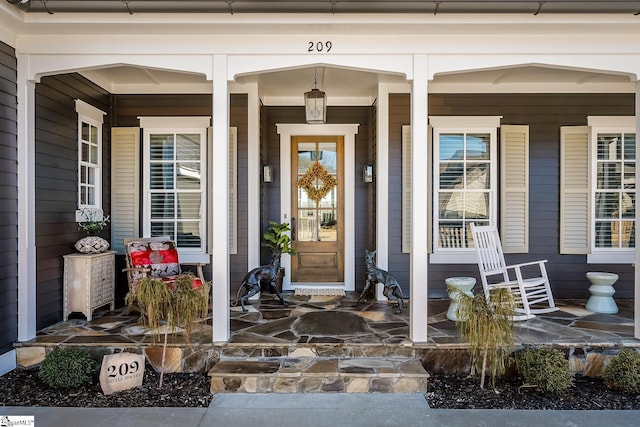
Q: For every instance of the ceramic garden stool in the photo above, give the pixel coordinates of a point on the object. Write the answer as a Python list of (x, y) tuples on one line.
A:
[(455, 285), (601, 299)]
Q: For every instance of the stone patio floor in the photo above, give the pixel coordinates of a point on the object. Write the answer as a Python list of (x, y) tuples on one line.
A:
[(335, 320)]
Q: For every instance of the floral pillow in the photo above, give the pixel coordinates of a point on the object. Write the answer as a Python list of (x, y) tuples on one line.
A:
[(160, 257)]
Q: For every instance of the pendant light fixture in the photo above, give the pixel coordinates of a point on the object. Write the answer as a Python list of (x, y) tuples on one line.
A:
[(315, 103)]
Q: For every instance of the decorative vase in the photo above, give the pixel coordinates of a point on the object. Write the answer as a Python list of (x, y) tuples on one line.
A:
[(92, 245)]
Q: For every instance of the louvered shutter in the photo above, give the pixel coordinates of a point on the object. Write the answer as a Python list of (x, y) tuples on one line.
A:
[(574, 190), (125, 185), (233, 190), (514, 185), (209, 211), (406, 189)]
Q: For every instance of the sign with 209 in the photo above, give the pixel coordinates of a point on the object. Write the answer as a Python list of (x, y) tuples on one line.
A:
[(121, 371)]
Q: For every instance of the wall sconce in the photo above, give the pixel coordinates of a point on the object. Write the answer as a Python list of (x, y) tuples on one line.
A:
[(267, 173), (315, 104), (367, 173)]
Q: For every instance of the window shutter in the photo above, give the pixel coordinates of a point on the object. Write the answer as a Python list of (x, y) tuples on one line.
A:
[(233, 190), (406, 189), (209, 211), (429, 164), (574, 190), (125, 185), (514, 176)]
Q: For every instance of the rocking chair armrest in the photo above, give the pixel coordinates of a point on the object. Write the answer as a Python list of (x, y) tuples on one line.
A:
[(525, 264), (142, 270)]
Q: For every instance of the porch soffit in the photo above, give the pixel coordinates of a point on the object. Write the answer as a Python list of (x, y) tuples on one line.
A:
[(358, 87), (328, 6)]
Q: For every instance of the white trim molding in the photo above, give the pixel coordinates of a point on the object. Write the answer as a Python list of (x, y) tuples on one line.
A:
[(349, 131)]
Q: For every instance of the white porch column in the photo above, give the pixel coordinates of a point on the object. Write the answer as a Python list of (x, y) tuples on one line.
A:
[(219, 201), (26, 204), (254, 169), (636, 287), (419, 206), (382, 184)]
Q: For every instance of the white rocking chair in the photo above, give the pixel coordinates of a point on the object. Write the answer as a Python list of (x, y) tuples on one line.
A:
[(533, 294)]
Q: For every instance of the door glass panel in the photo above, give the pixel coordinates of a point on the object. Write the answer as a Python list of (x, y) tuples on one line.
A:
[(306, 156), (303, 199), (317, 192), (330, 200), (328, 226), (327, 156), (307, 225)]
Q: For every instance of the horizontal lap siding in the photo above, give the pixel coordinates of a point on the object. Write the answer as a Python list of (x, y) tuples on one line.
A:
[(399, 115), (8, 199), (239, 118), (545, 114), (56, 182)]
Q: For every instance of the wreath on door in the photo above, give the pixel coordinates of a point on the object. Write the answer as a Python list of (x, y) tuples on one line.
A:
[(307, 181)]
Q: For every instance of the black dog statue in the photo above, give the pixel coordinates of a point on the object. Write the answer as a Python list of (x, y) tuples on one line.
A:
[(252, 280), (377, 275)]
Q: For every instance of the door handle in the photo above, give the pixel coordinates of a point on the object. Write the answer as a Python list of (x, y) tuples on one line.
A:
[(293, 229)]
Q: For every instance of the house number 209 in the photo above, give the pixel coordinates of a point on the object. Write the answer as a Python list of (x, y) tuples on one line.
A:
[(320, 46), (123, 370)]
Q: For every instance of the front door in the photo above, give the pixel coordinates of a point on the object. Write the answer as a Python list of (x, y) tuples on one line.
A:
[(317, 192)]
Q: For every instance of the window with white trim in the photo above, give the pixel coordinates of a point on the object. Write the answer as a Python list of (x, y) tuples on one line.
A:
[(613, 187), (598, 194), (90, 121), (465, 180), (174, 180)]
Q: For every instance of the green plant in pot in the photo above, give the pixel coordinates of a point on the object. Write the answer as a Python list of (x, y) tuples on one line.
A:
[(277, 239)]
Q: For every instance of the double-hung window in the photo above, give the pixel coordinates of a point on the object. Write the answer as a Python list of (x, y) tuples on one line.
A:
[(613, 186), (174, 182), (465, 183), (598, 199), (90, 120)]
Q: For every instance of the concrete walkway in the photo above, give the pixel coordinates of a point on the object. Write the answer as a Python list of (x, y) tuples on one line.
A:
[(317, 410)]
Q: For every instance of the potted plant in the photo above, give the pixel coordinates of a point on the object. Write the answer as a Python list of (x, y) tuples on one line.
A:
[(277, 239), (92, 222)]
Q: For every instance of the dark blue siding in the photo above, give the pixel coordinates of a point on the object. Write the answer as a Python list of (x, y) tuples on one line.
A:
[(8, 199)]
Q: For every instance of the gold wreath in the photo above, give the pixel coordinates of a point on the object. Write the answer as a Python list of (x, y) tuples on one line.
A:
[(306, 182)]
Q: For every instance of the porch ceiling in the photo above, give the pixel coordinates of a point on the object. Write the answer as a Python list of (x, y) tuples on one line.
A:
[(328, 6), (358, 87)]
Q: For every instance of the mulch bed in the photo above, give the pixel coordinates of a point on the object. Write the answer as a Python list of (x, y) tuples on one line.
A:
[(23, 387), (452, 392)]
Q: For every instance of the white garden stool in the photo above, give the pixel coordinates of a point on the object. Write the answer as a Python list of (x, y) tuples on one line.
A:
[(601, 299), (455, 286)]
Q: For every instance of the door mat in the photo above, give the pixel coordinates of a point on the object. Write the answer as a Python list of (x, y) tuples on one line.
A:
[(319, 292)]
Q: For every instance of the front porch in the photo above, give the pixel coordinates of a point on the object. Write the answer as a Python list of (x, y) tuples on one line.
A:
[(331, 328)]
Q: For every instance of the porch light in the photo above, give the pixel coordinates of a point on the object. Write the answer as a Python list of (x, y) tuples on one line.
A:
[(267, 173), (367, 173), (315, 104)]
